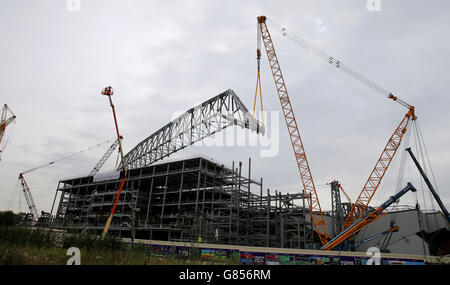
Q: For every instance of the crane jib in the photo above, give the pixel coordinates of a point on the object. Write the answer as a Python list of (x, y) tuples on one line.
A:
[(294, 134)]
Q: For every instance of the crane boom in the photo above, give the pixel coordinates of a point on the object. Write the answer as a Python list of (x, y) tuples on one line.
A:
[(28, 197), (391, 148), (104, 158), (297, 144), (366, 219), (378, 172)]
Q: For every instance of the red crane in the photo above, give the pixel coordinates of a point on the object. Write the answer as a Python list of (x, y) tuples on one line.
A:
[(4, 122)]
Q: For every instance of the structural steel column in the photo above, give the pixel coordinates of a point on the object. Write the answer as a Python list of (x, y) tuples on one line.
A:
[(198, 184), (204, 186), (150, 198), (54, 199), (164, 196), (181, 187)]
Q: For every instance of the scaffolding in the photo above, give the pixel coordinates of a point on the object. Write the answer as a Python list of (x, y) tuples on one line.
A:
[(190, 200)]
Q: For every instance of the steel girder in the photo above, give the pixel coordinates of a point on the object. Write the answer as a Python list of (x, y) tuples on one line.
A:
[(204, 120)]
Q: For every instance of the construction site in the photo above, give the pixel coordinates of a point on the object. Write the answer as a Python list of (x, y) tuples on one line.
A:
[(195, 199)]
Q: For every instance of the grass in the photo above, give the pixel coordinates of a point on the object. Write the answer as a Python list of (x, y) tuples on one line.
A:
[(32, 255), (23, 246)]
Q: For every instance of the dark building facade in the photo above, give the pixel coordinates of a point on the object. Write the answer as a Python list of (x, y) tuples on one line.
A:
[(193, 199)]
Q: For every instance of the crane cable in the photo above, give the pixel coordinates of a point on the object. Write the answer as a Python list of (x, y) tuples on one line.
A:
[(424, 154), (334, 62), (258, 76), (13, 195), (66, 157)]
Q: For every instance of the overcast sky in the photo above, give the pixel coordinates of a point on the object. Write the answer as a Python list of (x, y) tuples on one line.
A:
[(163, 57)]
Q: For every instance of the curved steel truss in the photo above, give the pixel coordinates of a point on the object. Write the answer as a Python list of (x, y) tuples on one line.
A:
[(206, 119)]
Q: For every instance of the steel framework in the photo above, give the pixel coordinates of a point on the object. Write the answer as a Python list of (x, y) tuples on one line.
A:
[(206, 119), (336, 207), (184, 200)]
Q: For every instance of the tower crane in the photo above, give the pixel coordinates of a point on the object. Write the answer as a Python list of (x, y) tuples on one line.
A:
[(4, 122)]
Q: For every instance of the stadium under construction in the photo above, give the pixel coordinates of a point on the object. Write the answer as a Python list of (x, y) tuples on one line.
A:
[(196, 199), (152, 196)]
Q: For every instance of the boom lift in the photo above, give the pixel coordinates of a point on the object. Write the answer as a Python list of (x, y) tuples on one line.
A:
[(4, 122), (108, 91)]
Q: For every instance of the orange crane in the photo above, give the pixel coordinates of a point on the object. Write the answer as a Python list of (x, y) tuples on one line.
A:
[(359, 207), (292, 126), (366, 219), (4, 122)]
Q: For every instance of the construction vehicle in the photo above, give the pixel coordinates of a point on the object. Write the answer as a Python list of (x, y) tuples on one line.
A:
[(338, 241), (108, 91), (430, 186), (292, 127), (358, 209), (4, 122)]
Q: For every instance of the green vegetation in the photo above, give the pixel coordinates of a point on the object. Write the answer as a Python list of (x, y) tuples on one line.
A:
[(26, 246), (8, 219)]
